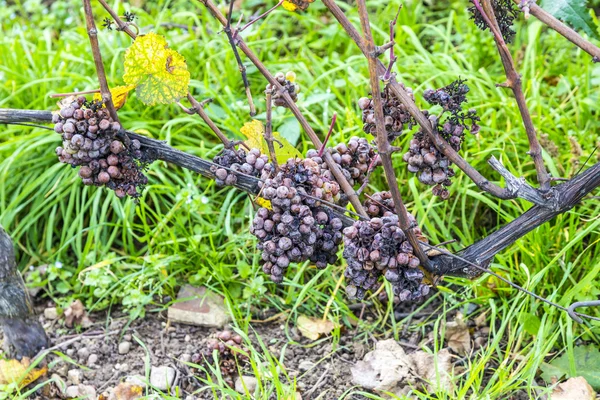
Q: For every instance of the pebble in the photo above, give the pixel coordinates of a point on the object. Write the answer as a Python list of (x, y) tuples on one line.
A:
[(62, 370), (136, 380), (83, 353), (187, 338), (249, 382), (127, 338), (51, 313), (124, 347), (80, 392), (305, 365), (185, 357), (92, 360), (162, 377), (70, 352), (75, 376)]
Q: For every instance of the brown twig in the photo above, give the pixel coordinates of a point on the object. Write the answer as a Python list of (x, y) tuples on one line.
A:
[(401, 93), (333, 167), (563, 30), (269, 130), (241, 67), (93, 35), (383, 145), (513, 81)]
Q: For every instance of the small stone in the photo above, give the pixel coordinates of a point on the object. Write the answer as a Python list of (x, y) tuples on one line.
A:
[(75, 376), (201, 307), (305, 365), (185, 358), (124, 347), (162, 377), (70, 352), (249, 382), (83, 353), (137, 380), (127, 338), (81, 392), (92, 360), (51, 313), (187, 338)]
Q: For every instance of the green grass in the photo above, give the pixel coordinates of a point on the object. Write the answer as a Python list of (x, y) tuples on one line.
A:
[(185, 229)]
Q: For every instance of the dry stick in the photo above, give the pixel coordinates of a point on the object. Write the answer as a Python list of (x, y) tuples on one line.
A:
[(383, 145), (197, 106), (513, 81), (269, 130), (333, 167), (564, 30), (421, 119), (241, 66), (93, 35)]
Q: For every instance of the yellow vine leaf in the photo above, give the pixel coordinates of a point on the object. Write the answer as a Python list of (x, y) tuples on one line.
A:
[(160, 74), (255, 130), (119, 95), (263, 202), (14, 371)]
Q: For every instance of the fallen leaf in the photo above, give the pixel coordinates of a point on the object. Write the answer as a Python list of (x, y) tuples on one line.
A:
[(75, 314), (127, 391), (14, 371), (119, 95), (263, 202), (574, 388), (255, 130), (458, 336), (313, 328), (434, 368), (159, 73), (587, 365)]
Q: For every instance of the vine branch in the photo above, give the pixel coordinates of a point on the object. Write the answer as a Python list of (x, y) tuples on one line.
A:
[(513, 81), (383, 145), (93, 35)]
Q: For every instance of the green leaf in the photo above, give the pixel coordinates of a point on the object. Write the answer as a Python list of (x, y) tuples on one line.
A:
[(530, 322), (574, 12), (160, 74), (290, 129), (587, 364)]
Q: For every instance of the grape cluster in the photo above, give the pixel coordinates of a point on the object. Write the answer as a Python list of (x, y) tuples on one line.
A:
[(251, 163), (297, 227), (230, 351), (354, 158), (433, 167), (379, 247), (396, 114), (506, 12), (95, 143), (288, 81), (379, 204)]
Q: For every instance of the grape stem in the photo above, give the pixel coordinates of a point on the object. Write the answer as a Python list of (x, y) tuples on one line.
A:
[(198, 107), (333, 167), (383, 145), (93, 35), (263, 15), (231, 37), (513, 81), (324, 145), (269, 130)]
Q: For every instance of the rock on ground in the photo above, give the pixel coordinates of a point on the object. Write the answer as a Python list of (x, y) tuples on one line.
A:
[(199, 306), (162, 377), (249, 382)]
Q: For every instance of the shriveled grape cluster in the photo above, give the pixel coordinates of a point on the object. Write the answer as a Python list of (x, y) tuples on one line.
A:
[(288, 81), (297, 227), (95, 143), (397, 117), (379, 247), (505, 11), (433, 167), (354, 158), (231, 354), (251, 163)]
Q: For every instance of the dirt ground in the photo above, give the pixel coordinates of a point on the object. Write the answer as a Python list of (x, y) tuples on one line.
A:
[(127, 354)]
